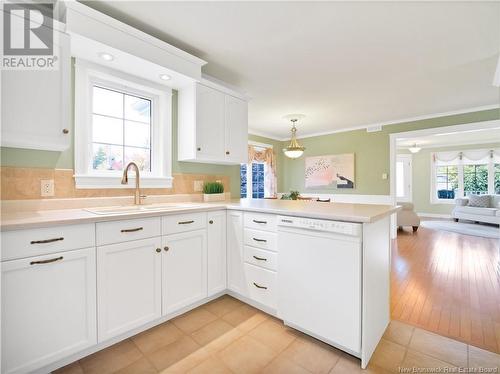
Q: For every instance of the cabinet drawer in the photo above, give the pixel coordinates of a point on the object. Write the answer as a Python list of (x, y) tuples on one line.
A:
[(261, 285), (260, 221), (35, 242), (261, 257), (183, 222), (260, 239), (126, 230)]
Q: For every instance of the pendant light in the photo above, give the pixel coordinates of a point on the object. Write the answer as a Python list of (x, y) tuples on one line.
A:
[(294, 149), (414, 149)]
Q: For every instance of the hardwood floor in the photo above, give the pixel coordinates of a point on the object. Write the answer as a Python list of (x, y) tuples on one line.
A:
[(449, 284)]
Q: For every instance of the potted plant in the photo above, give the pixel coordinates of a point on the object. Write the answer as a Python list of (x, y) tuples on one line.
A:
[(213, 191), (293, 195)]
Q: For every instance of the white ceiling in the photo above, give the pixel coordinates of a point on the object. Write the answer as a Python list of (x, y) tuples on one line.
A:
[(343, 64)]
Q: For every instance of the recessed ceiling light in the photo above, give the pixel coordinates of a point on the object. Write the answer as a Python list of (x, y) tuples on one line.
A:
[(106, 56), (165, 77)]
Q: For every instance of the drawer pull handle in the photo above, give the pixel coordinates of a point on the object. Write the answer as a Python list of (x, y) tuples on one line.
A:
[(260, 258), (260, 240), (132, 230), (185, 222), (261, 222), (46, 241), (46, 261), (258, 286)]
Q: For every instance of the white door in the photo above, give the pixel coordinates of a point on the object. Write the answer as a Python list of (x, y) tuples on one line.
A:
[(209, 123), (48, 308), (216, 252), (235, 270), (184, 269), (128, 285), (236, 130), (404, 178)]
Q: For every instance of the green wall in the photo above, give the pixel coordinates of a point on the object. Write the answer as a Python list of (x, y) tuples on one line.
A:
[(371, 153), (421, 177)]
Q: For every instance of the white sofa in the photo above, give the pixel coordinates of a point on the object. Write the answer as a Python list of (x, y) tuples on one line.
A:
[(491, 214)]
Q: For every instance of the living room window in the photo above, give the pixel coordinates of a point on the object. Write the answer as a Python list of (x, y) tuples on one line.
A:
[(464, 173)]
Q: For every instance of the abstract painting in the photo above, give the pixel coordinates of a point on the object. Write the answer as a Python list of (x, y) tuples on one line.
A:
[(330, 171)]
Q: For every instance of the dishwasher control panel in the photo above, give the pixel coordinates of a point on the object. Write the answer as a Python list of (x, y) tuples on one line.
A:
[(345, 228)]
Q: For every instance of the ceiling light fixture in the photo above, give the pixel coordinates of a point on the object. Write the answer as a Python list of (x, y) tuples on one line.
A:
[(294, 149), (414, 149), (165, 77), (106, 56)]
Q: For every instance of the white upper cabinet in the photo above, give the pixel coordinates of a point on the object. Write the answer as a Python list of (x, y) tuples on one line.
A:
[(36, 104), (213, 125)]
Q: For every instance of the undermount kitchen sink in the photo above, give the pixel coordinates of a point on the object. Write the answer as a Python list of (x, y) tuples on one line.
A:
[(125, 209)]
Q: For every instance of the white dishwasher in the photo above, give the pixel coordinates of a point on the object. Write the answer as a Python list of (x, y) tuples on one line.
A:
[(319, 279)]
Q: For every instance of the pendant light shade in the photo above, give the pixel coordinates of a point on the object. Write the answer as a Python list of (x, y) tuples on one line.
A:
[(294, 149)]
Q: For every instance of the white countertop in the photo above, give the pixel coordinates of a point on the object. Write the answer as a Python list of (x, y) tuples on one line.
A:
[(361, 213)]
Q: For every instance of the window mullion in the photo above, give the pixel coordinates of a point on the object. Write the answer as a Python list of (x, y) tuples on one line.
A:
[(491, 177), (461, 180)]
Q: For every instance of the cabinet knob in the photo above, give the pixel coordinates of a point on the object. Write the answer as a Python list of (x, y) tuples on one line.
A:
[(166, 249), (211, 222), (198, 149), (158, 250), (227, 152), (65, 131)]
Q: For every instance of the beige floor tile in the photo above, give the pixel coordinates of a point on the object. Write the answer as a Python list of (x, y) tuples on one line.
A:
[(194, 320), (223, 341), (112, 358), (273, 334), (240, 315), (388, 355), (74, 368), (480, 358), (439, 347), (348, 364), (398, 332), (222, 305), (252, 322), (419, 360), (212, 331), (188, 362), (246, 355), (173, 353), (283, 365), (313, 355), (157, 337), (213, 365), (141, 366)]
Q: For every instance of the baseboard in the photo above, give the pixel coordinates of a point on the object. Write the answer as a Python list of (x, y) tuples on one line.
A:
[(433, 215)]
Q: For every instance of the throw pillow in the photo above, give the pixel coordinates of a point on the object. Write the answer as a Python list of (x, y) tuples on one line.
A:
[(480, 201)]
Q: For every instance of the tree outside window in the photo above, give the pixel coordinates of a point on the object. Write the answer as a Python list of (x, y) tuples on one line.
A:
[(475, 180), (497, 179)]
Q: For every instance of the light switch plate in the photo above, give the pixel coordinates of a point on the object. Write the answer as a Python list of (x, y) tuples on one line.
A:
[(47, 187), (198, 186), (384, 176)]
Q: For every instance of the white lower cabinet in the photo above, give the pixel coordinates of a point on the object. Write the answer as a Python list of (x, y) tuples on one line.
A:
[(129, 280), (235, 271), (216, 243), (48, 308), (184, 275)]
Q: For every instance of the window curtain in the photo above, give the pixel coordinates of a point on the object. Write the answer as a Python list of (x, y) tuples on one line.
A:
[(268, 157), (472, 156)]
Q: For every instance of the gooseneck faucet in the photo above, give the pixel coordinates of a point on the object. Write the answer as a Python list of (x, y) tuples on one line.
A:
[(137, 196)]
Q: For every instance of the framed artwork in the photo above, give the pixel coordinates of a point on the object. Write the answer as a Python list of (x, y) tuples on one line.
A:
[(330, 171)]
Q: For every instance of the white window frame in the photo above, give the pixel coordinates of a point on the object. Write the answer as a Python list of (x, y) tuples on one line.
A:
[(408, 169), (460, 165), (86, 76), (249, 170)]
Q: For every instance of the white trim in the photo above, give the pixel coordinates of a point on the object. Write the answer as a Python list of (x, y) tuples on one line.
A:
[(445, 145), (86, 75), (496, 79), (407, 158), (381, 123), (433, 215), (258, 144)]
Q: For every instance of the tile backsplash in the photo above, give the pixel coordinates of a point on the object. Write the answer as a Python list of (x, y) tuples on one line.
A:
[(24, 183)]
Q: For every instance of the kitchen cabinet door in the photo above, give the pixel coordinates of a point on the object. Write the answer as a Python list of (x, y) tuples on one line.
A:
[(216, 252), (235, 271), (184, 276), (209, 123), (128, 285), (236, 129), (48, 308)]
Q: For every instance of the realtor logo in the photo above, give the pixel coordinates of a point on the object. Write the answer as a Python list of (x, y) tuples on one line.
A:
[(28, 36)]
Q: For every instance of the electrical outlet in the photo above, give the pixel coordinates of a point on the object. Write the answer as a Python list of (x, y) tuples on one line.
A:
[(198, 186), (47, 187)]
